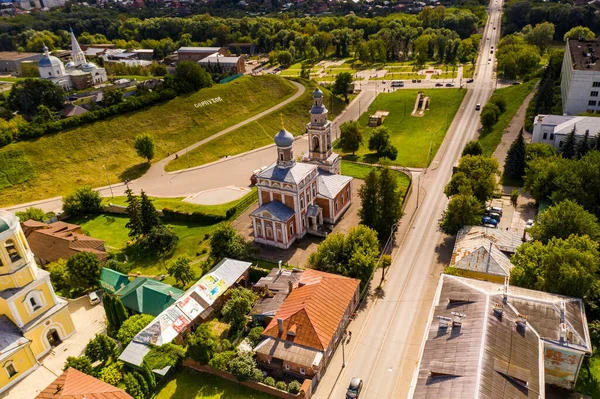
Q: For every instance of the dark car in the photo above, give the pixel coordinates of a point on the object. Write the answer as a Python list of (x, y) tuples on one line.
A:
[(72, 98), (354, 388), (418, 80), (489, 220), (414, 80), (470, 80), (438, 85), (449, 84)]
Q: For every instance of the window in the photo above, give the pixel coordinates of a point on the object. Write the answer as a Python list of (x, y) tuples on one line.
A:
[(49, 73), (336, 206), (302, 371), (545, 136), (592, 103), (287, 367), (551, 136), (301, 202), (560, 143), (594, 94), (308, 195), (314, 191), (34, 301), (13, 254), (596, 84), (342, 198), (281, 156), (291, 229), (10, 369)]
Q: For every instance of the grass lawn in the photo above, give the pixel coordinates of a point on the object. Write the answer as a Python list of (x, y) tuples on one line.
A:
[(260, 132), (411, 135), (76, 157), (177, 204), (190, 384), (468, 71), (360, 171), (514, 97)]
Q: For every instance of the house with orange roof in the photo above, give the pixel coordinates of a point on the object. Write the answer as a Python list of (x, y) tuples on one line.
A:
[(73, 384), (301, 339), (60, 240)]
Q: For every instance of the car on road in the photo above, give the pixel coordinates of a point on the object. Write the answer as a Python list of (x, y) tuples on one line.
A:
[(72, 98), (492, 47), (491, 51), (354, 388), (439, 85), (489, 59), (418, 80), (449, 84), (414, 80), (488, 220), (397, 83), (470, 80), (494, 28), (477, 107), (384, 81)]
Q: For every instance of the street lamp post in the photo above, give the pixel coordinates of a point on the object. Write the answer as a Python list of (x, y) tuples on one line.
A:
[(343, 350), (112, 195)]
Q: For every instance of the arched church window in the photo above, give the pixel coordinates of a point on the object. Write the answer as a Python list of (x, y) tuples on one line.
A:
[(13, 254), (49, 73), (315, 143), (281, 156)]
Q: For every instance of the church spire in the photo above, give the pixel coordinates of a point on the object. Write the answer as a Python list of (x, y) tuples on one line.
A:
[(77, 54)]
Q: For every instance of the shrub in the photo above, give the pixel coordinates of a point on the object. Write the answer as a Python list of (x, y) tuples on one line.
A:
[(83, 201), (81, 363), (270, 381), (281, 385), (294, 387), (111, 374), (221, 360), (255, 335), (165, 355), (132, 326), (243, 367), (36, 214), (161, 240)]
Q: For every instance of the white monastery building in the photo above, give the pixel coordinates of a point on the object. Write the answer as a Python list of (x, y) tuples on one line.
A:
[(296, 198), (554, 129)]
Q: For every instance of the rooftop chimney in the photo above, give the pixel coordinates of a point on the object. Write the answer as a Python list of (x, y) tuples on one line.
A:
[(457, 319), (290, 286), (280, 270), (280, 324), (521, 322), (563, 332), (444, 321), (505, 294), (498, 310)]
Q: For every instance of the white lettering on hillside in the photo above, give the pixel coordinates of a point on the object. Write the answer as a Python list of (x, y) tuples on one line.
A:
[(208, 102)]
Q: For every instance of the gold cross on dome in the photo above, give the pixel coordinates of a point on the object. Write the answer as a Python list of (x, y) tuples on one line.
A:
[(281, 117)]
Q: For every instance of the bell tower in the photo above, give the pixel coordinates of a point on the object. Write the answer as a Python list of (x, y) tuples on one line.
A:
[(319, 137)]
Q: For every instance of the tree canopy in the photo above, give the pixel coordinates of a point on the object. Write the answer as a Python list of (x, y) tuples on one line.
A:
[(351, 136), (563, 219), (477, 174), (132, 326), (227, 242)]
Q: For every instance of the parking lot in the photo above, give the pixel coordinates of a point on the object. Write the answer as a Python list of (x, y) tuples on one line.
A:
[(514, 218)]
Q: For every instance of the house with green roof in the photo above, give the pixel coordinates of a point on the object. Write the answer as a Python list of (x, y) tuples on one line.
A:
[(148, 296), (112, 281)]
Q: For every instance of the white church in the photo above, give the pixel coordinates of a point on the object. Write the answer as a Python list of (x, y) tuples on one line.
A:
[(77, 74)]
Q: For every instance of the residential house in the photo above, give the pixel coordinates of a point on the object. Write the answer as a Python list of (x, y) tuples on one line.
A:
[(554, 129), (273, 289), (148, 296), (73, 384), (195, 306), (580, 77), (60, 240), (512, 342), (218, 63), (484, 253), (296, 198), (10, 61), (111, 280), (302, 337), (195, 54), (33, 320)]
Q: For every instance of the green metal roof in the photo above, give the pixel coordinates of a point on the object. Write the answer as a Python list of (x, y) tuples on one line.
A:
[(145, 295), (112, 281)]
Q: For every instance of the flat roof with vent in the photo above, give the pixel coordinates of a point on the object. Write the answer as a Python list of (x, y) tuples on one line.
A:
[(585, 54)]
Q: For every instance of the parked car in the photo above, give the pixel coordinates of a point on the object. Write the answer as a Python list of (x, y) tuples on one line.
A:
[(477, 107), (516, 83), (72, 97), (495, 209), (470, 80), (354, 388), (495, 216), (488, 220), (94, 298), (414, 80), (529, 224), (489, 225), (491, 51), (439, 85), (449, 84), (418, 80)]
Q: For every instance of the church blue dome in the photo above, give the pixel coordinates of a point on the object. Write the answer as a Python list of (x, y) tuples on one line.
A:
[(284, 138), (317, 93), (49, 61), (7, 221), (318, 109)]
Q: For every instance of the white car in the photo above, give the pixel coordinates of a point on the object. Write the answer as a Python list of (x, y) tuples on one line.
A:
[(529, 224), (94, 298)]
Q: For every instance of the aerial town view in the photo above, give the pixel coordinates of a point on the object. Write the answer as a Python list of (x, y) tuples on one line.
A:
[(295, 199)]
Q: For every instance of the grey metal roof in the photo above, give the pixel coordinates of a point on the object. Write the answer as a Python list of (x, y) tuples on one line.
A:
[(504, 240), (565, 124), (293, 175), (312, 210), (134, 353), (330, 185), (10, 335), (198, 49), (277, 283), (278, 211)]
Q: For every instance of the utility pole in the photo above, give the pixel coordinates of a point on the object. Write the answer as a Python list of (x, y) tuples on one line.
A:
[(112, 195), (343, 350)]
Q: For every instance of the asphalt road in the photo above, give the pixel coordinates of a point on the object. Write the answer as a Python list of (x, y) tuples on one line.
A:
[(386, 348)]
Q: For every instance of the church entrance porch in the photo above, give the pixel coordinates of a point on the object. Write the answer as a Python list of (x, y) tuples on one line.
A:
[(314, 216)]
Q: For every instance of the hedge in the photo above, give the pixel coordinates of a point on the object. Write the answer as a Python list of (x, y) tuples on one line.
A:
[(171, 215)]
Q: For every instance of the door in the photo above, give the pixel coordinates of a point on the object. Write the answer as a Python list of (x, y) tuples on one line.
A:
[(53, 338)]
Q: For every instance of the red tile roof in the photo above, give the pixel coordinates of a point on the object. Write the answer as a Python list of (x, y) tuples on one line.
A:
[(73, 384), (60, 240), (314, 310)]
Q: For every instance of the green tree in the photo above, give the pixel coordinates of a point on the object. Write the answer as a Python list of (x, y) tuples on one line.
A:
[(255, 335), (221, 360), (182, 270), (83, 201), (579, 32), (134, 224), (352, 255), (161, 241), (294, 387), (541, 175), (463, 210), (489, 116), (111, 318), (281, 385), (514, 165), (120, 312), (538, 150), (564, 219), (285, 58), (32, 213), (569, 147), (583, 145), (83, 269), (132, 386), (159, 70), (514, 197), (149, 217), (370, 212), (472, 148), (81, 363), (142, 383), (477, 174), (101, 348), (499, 102), (380, 141), (342, 85), (351, 136), (148, 375), (541, 35), (144, 145), (27, 95), (132, 326), (202, 344), (165, 355), (191, 77), (112, 97), (112, 374), (243, 367), (390, 203), (43, 114), (270, 381), (226, 242), (562, 266), (238, 306)]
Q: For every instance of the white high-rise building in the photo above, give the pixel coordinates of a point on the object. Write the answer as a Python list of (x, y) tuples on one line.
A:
[(580, 77)]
